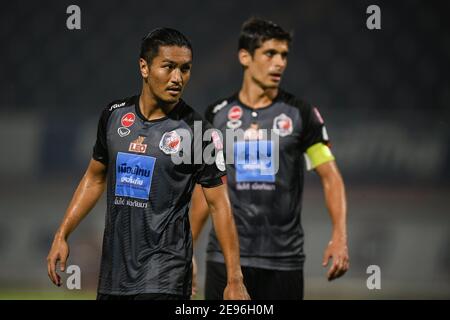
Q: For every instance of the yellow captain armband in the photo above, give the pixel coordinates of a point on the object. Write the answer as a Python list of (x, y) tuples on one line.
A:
[(317, 154)]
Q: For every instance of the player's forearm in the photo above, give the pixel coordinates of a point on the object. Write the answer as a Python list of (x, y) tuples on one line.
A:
[(85, 197), (335, 198), (227, 235), (198, 215)]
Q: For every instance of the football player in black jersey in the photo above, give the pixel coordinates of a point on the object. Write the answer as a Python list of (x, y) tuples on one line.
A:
[(267, 198), (147, 244)]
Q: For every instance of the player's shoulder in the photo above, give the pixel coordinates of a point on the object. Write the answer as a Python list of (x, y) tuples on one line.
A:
[(219, 105), (117, 104), (294, 101), (308, 111), (120, 104), (187, 113)]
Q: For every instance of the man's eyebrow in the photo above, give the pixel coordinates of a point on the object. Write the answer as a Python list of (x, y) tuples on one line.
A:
[(275, 50), (174, 62)]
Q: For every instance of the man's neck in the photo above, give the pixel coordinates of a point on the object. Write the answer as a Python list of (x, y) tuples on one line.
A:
[(254, 96), (151, 108)]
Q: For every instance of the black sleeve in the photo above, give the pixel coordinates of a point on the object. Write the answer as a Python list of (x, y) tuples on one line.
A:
[(313, 130), (100, 152), (209, 115), (210, 175)]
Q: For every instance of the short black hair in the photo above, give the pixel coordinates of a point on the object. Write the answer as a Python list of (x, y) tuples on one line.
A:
[(162, 37), (255, 31)]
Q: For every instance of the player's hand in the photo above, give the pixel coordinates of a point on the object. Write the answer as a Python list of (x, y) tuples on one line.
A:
[(194, 276), (58, 252), (338, 251), (236, 291)]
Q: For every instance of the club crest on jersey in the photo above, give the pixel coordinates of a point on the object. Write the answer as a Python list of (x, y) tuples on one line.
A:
[(170, 142), (138, 145), (235, 113), (282, 125), (123, 132), (128, 120)]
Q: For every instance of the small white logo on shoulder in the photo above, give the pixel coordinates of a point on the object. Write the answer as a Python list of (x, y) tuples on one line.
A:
[(117, 105), (220, 106)]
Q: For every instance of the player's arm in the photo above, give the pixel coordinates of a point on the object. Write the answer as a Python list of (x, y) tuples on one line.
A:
[(199, 213), (335, 199), (85, 197), (318, 156), (223, 222)]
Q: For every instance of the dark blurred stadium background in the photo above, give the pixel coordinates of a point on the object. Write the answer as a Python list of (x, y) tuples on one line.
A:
[(385, 95)]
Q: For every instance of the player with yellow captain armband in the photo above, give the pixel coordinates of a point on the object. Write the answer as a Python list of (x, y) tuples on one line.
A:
[(318, 154), (267, 205)]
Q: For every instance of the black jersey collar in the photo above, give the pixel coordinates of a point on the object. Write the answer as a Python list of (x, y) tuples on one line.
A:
[(277, 97), (174, 110)]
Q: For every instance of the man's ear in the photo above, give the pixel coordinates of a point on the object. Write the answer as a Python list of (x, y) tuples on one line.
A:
[(144, 67), (244, 57)]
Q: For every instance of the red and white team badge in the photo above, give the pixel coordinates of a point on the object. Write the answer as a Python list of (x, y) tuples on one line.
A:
[(235, 113), (138, 145), (282, 125), (170, 142), (128, 119)]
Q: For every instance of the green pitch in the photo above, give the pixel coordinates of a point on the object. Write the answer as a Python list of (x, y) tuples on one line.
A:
[(42, 295)]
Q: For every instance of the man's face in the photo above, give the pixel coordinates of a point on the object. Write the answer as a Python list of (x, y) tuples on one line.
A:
[(168, 73), (268, 62)]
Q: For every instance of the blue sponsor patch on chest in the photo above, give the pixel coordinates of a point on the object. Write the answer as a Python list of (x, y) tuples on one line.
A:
[(134, 175), (253, 161)]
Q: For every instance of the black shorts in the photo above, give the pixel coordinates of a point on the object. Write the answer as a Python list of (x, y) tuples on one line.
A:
[(142, 296), (262, 284)]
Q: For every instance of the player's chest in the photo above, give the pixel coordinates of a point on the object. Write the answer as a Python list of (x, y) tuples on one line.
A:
[(155, 144), (276, 125)]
